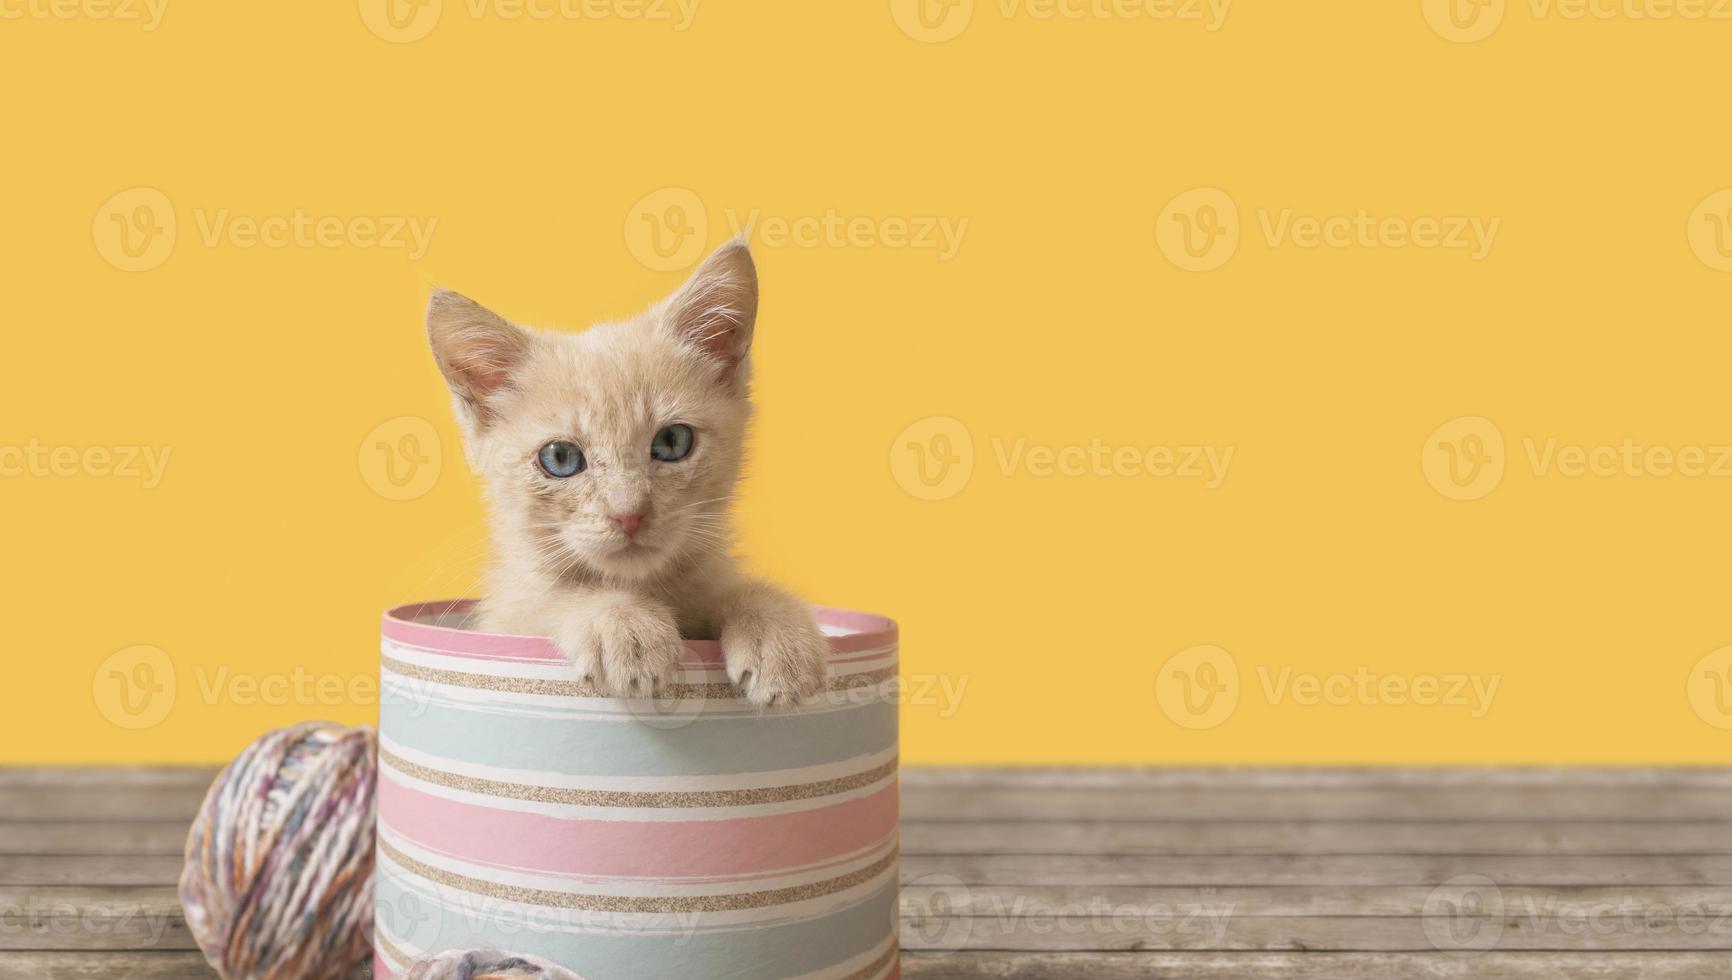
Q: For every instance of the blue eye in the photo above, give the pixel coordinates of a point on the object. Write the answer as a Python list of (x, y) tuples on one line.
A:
[(672, 444), (561, 460)]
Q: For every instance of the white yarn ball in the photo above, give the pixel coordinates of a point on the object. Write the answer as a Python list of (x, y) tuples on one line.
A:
[(486, 964)]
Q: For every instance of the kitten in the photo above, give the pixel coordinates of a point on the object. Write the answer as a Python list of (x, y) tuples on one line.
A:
[(610, 459)]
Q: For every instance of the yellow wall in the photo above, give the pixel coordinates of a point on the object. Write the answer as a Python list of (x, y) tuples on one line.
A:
[(1054, 618)]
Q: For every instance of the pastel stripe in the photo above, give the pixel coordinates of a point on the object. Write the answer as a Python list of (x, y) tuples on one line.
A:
[(693, 835), (882, 963), (659, 904), (663, 849), (794, 888), (664, 813), (707, 745), (765, 779), (794, 949), (626, 798), (540, 699), (434, 625), (570, 688), (548, 662), (389, 961)]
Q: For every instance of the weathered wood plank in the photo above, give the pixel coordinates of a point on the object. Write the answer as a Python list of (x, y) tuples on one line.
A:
[(84, 966), (90, 869), (1312, 778), (61, 777), (149, 917), (1688, 805), (940, 896), (1075, 966), (1522, 803), (1037, 777), (1353, 869), (1159, 837), (1036, 917), (1312, 966), (1690, 795), (1128, 870), (1318, 837), (84, 804), (85, 918), (1034, 865), (120, 926), (1133, 929), (66, 965), (142, 837), (15, 896)]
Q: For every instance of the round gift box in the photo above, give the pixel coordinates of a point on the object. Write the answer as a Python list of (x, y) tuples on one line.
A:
[(691, 835)]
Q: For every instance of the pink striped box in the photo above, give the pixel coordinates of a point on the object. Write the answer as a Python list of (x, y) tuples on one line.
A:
[(693, 835)]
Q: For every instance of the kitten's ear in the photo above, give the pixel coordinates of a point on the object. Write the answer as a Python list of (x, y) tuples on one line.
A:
[(477, 351), (716, 309)]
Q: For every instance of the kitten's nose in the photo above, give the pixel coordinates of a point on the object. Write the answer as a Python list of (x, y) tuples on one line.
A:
[(628, 523)]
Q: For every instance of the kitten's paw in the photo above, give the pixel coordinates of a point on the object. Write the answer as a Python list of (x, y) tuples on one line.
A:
[(775, 653), (627, 649)]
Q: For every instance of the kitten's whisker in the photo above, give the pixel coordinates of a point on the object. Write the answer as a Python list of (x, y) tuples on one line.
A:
[(700, 503)]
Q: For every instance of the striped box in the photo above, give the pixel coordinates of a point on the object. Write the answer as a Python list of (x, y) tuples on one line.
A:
[(693, 835)]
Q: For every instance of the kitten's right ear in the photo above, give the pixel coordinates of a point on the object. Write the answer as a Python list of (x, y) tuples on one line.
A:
[(477, 350)]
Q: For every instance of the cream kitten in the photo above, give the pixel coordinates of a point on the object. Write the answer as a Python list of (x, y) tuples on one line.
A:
[(609, 458)]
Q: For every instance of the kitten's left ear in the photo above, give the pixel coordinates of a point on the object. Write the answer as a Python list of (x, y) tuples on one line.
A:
[(478, 352), (717, 308)]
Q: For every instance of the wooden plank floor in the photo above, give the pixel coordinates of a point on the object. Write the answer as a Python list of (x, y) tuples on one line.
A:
[(1081, 874)]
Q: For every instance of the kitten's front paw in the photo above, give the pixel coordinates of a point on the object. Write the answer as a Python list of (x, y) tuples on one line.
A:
[(775, 653), (628, 649)]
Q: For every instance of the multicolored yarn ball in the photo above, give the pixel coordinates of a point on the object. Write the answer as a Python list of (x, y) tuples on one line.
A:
[(486, 964), (278, 883)]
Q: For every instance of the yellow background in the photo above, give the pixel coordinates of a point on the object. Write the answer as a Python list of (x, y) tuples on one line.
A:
[(1051, 604)]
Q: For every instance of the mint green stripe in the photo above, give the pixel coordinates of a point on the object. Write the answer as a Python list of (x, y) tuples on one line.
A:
[(708, 746), (767, 952)]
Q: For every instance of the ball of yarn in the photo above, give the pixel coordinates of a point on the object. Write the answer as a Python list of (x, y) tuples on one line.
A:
[(278, 883), (486, 964)]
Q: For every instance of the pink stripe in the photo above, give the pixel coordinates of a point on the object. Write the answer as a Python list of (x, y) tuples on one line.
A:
[(447, 652), (405, 625), (870, 630), (843, 660), (384, 972), (754, 846)]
